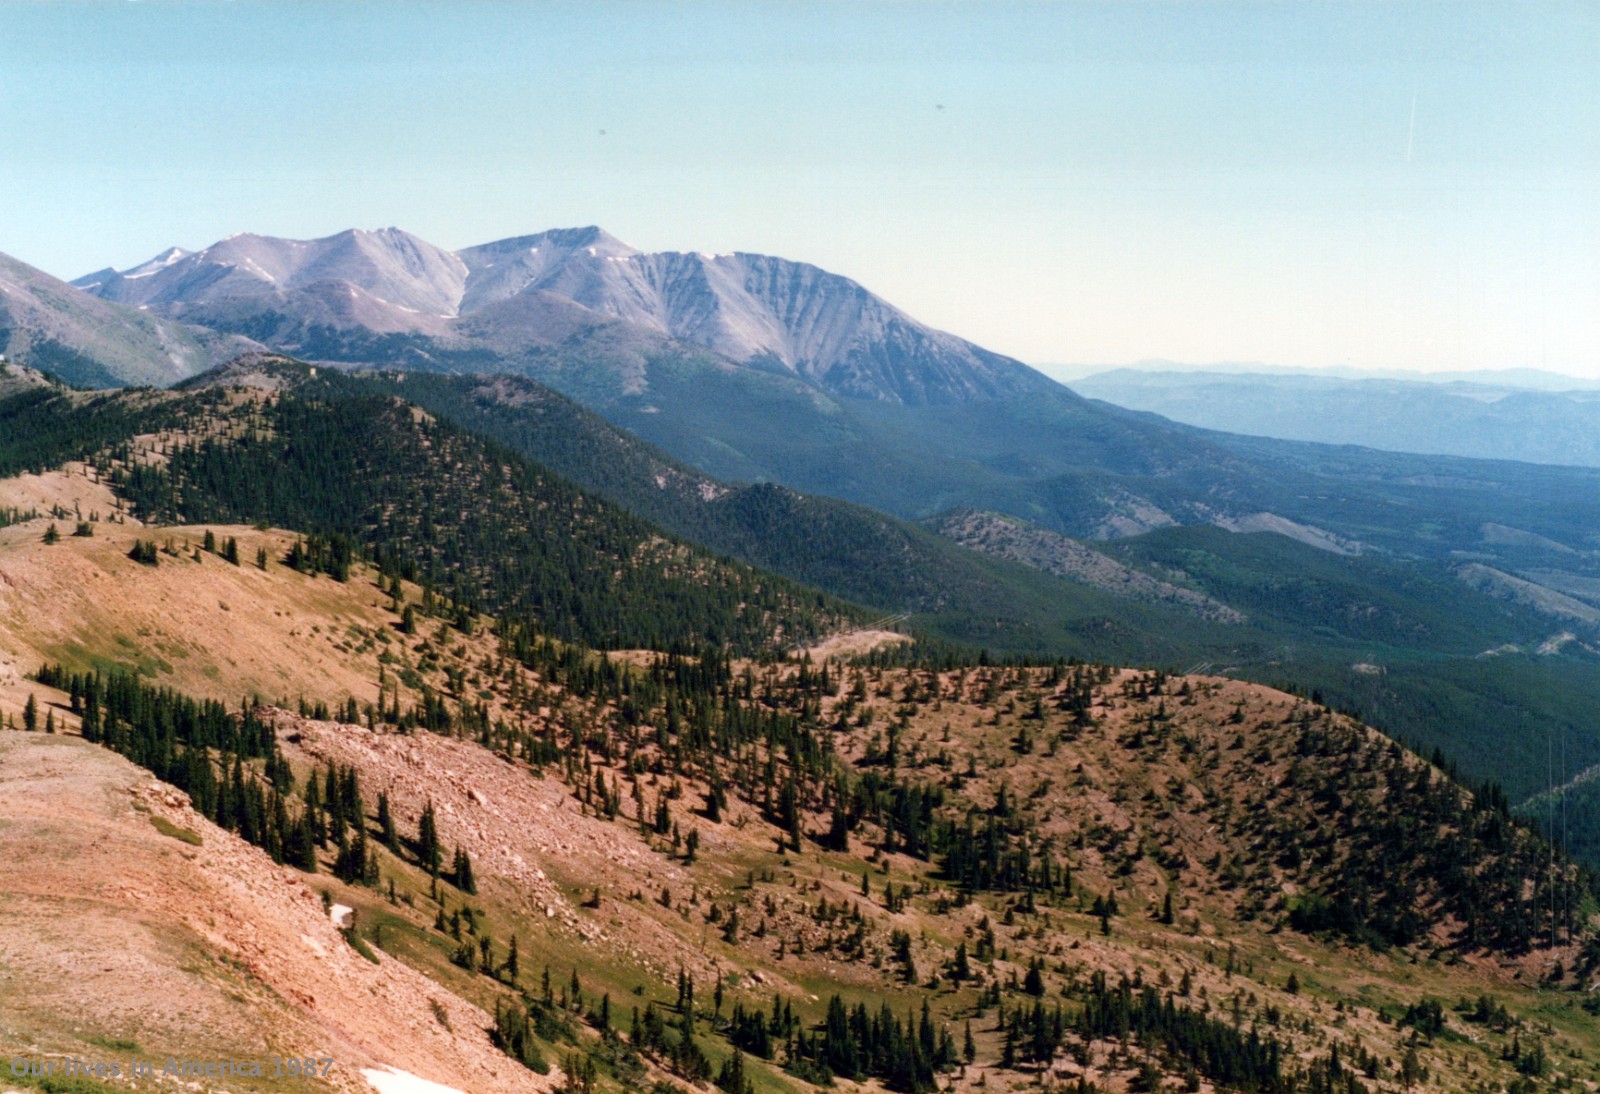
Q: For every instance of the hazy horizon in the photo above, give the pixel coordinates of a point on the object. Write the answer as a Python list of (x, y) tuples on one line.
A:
[(1066, 371)]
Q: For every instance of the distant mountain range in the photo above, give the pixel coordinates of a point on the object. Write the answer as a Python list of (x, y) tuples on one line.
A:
[(779, 316), (758, 369), (1484, 419), (94, 343), (1529, 379)]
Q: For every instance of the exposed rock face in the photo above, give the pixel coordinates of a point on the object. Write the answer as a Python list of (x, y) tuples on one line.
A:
[(759, 310), (751, 308)]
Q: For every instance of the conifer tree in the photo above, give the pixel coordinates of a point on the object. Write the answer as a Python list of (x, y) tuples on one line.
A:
[(386, 830), (461, 871), (428, 849)]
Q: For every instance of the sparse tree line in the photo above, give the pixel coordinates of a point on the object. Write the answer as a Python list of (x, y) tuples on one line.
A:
[(230, 766)]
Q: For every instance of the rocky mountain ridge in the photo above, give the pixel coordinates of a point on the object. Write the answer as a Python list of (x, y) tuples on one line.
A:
[(48, 324), (757, 310)]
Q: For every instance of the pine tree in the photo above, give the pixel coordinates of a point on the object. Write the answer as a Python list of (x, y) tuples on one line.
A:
[(461, 871), (1033, 982), (961, 967), (30, 714), (386, 829), (731, 1078), (429, 851)]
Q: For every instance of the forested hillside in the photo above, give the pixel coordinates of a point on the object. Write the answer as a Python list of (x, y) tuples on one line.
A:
[(929, 874), (1403, 643), (371, 477), (1432, 661), (625, 870)]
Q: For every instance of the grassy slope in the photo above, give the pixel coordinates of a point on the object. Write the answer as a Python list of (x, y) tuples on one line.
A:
[(1121, 796)]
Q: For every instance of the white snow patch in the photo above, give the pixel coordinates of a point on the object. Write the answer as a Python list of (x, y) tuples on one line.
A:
[(156, 264), (590, 250), (340, 914), (391, 1080)]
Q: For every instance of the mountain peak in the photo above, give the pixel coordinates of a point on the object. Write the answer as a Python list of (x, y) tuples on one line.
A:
[(397, 275), (591, 235), (757, 310), (159, 262), (590, 239)]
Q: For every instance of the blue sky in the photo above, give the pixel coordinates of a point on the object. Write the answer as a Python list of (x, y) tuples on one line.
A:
[(1379, 185)]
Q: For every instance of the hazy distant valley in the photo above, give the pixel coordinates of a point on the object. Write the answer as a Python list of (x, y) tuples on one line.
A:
[(1485, 418)]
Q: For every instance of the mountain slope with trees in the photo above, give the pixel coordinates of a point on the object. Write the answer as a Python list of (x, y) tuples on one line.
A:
[(372, 477), (690, 870)]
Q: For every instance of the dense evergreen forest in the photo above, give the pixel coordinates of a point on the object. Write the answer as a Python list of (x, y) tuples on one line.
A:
[(44, 427), (476, 524)]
